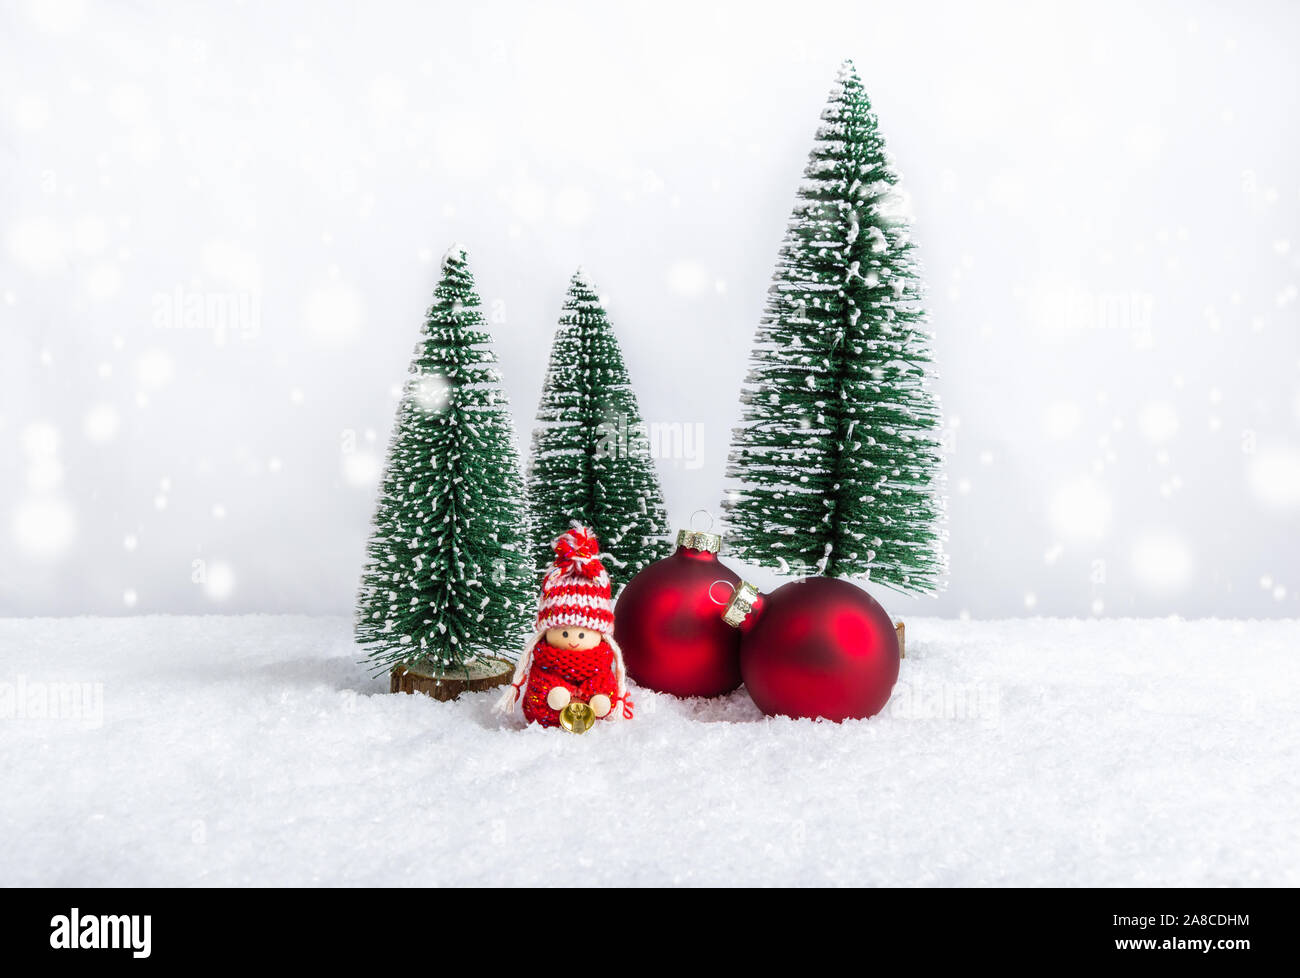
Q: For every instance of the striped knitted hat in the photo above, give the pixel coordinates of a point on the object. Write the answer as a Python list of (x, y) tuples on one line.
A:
[(576, 590)]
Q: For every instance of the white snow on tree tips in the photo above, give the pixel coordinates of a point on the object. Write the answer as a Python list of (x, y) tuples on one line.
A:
[(838, 434), (451, 511), (591, 459)]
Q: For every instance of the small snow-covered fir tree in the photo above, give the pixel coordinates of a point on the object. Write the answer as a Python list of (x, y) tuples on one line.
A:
[(448, 577), (836, 461), (591, 454)]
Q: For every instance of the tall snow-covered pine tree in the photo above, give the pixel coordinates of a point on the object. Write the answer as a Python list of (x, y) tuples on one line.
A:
[(835, 464), (448, 577), (591, 455)]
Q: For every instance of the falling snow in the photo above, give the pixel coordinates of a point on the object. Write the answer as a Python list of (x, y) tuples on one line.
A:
[(1128, 373)]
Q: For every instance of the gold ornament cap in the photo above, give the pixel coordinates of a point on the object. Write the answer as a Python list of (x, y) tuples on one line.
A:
[(740, 605), (699, 540)]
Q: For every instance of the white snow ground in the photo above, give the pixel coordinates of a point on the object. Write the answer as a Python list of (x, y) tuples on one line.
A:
[(255, 750)]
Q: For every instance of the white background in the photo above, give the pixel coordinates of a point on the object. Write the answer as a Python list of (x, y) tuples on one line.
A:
[(1105, 198)]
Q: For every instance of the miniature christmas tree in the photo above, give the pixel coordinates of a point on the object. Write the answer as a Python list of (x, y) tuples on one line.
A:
[(836, 463), (591, 453), (448, 579)]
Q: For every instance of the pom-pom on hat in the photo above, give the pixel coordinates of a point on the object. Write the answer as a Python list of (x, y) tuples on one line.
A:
[(576, 590)]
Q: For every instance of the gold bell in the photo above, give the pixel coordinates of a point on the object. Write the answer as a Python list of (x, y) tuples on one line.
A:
[(577, 717)]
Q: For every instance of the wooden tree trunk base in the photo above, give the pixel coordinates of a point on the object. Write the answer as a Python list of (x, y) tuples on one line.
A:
[(481, 674), (902, 652)]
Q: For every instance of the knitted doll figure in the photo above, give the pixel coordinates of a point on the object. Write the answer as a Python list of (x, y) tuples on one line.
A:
[(572, 656)]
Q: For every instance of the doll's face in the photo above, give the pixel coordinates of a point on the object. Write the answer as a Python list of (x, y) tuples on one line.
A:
[(572, 638)]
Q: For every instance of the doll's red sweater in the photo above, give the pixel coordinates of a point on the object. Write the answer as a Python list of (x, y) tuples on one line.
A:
[(584, 672)]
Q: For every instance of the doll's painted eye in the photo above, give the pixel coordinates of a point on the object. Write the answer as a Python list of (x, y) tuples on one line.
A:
[(581, 636), (565, 634)]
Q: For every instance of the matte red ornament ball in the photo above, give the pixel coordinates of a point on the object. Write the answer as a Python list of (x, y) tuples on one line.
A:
[(819, 647), (669, 626)]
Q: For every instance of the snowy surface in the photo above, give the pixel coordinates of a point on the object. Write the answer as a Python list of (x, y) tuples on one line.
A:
[(256, 750)]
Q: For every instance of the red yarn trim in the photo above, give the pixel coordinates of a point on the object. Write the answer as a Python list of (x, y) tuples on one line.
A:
[(626, 700)]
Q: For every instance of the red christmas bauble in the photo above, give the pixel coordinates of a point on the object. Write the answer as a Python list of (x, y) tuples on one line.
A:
[(667, 622), (820, 647)]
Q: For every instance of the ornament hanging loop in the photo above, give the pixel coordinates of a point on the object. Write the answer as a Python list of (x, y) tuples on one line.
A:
[(721, 604), (707, 515)]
